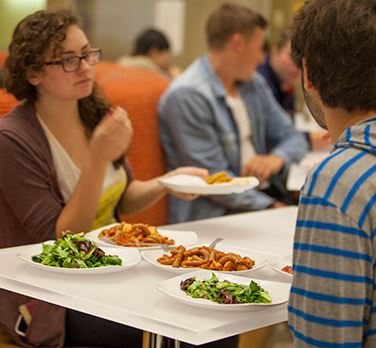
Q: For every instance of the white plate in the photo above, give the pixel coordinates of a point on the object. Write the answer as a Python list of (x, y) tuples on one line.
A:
[(279, 292), (279, 263), (129, 257), (196, 185), (180, 238), (260, 259)]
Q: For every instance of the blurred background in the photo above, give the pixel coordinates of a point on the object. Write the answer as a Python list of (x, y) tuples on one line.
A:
[(113, 24)]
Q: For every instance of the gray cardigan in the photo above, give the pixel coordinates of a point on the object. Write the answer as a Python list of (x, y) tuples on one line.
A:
[(30, 203)]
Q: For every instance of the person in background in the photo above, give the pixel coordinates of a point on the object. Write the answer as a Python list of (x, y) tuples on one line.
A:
[(332, 301), (62, 167), (152, 51), (282, 75), (221, 115)]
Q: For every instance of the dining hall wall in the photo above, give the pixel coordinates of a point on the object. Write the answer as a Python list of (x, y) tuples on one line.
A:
[(197, 13), (113, 24), (11, 12)]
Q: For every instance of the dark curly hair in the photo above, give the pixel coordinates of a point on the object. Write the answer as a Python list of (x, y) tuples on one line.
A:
[(31, 39), (337, 41)]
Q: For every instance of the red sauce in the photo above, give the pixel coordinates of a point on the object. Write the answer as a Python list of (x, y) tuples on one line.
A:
[(287, 269)]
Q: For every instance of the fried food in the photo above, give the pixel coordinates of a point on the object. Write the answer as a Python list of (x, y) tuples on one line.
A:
[(138, 235), (218, 178), (207, 258)]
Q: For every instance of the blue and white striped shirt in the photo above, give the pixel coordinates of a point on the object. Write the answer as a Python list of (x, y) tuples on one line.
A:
[(332, 301)]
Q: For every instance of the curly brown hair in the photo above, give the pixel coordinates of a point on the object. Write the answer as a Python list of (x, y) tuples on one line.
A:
[(31, 39), (337, 41)]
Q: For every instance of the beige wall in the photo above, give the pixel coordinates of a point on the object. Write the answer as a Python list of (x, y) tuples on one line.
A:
[(113, 24), (118, 22), (281, 16), (57, 4), (11, 12)]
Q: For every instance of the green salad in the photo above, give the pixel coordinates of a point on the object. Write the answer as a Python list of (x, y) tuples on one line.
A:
[(224, 291), (74, 251)]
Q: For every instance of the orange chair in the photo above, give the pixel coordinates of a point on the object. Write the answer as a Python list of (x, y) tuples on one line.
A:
[(3, 56), (7, 102), (138, 91)]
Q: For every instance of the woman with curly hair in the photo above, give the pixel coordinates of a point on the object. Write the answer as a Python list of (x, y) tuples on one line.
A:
[(62, 166)]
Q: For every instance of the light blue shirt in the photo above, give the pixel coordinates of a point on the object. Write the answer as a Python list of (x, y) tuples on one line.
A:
[(198, 129)]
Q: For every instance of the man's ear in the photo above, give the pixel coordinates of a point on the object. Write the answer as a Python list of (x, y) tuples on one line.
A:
[(237, 41), (33, 77), (307, 82)]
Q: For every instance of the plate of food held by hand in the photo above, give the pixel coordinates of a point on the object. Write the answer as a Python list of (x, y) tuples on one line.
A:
[(217, 184)]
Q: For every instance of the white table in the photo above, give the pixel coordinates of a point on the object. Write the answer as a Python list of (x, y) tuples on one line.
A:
[(130, 297)]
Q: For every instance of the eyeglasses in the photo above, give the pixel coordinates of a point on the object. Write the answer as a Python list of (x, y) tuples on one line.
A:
[(74, 63)]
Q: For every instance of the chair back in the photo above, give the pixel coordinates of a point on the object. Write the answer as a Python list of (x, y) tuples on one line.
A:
[(3, 56), (138, 91), (7, 101)]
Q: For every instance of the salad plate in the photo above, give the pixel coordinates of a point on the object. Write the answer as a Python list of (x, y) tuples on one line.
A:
[(129, 257), (180, 238), (196, 185), (259, 258), (278, 292)]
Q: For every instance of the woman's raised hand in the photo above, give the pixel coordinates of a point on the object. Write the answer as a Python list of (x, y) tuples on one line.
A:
[(112, 137)]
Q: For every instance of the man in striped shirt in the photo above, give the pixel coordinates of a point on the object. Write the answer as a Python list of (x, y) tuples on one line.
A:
[(333, 298)]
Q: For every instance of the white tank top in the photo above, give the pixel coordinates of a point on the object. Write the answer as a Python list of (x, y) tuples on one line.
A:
[(239, 111), (68, 175)]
